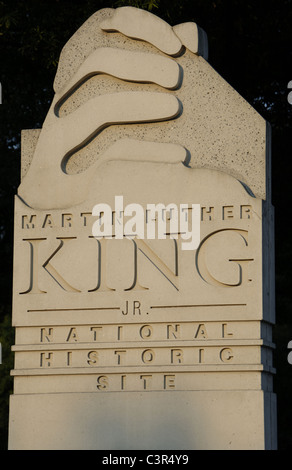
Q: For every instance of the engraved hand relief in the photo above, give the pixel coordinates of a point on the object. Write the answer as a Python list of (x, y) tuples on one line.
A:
[(47, 183)]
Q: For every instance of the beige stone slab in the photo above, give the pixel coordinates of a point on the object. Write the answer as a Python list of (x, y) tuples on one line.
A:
[(130, 355), (107, 380), (196, 424), (203, 289), (124, 340), (203, 332), (193, 191)]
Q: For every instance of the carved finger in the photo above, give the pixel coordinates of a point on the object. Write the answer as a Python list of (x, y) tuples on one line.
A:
[(127, 65), (144, 151), (193, 38), (143, 25), (59, 191), (118, 108)]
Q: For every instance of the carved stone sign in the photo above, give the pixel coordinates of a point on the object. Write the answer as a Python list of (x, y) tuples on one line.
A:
[(127, 341)]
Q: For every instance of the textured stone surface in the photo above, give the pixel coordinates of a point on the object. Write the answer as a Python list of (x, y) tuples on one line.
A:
[(137, 343), (177, 427)]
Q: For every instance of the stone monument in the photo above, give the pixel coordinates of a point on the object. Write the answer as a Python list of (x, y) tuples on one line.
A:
[(126, 337)]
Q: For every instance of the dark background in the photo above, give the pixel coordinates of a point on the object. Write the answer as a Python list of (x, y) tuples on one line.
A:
[(250, 46)]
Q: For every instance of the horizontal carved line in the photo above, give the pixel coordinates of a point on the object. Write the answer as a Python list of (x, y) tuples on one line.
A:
[(142, 369), (153, 322), (73, 309), (118, 308), (170, 343), (198, 305)]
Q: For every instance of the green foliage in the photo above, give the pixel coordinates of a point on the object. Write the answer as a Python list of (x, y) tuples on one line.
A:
[(149, 5)]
